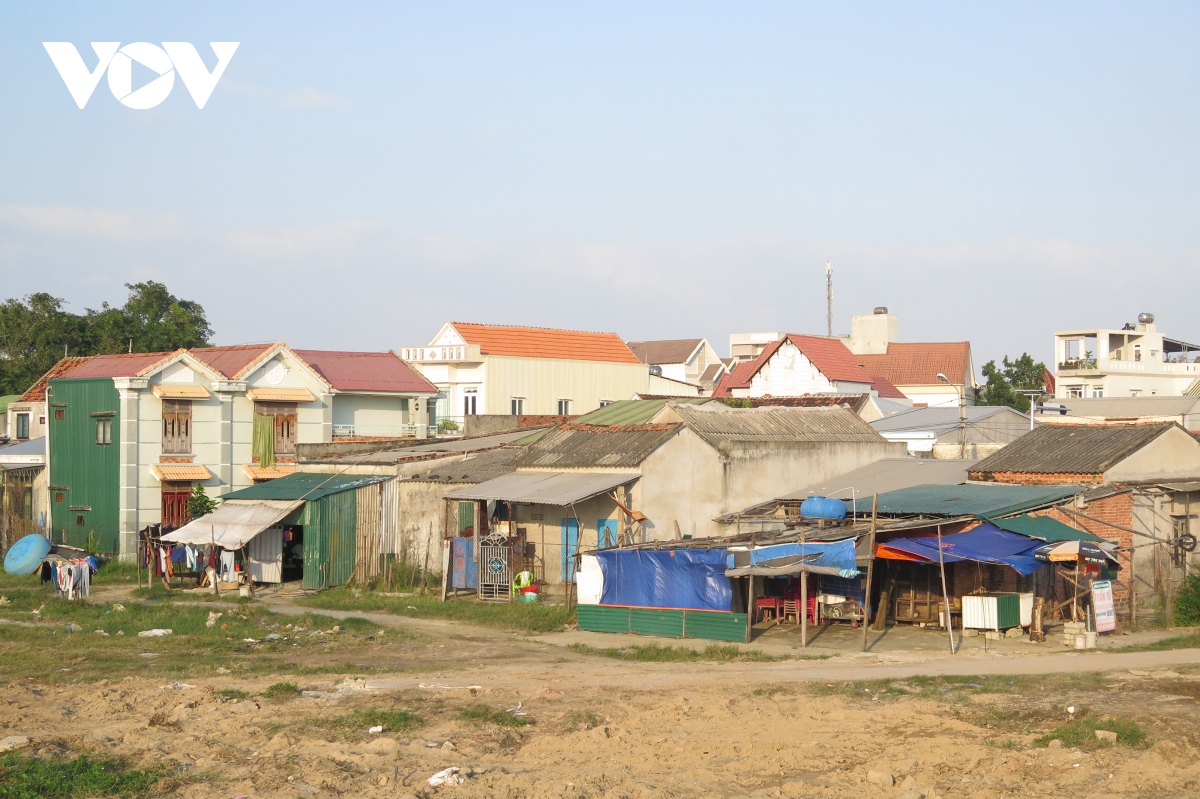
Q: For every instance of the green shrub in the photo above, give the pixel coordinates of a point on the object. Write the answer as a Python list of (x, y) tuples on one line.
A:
[(1081, 733), (32, 778), (482, 714), (1187, 601), (282, 689), (390, 720)]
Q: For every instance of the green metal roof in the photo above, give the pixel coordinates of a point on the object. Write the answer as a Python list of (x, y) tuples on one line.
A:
[(633, 411), (1049, 530), (972, 499), (305, 485)]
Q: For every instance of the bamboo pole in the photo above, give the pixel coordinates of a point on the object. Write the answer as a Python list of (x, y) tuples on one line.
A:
[(866, 623), (945, 594)]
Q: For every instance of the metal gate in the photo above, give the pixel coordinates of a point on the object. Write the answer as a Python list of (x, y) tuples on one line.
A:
[(495, 568)]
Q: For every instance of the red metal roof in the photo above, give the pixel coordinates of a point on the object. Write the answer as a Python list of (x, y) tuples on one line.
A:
[(365, 371), (121, 365), (37, 392), (738, 377), (544, 342), (230, 362), (918, 364)]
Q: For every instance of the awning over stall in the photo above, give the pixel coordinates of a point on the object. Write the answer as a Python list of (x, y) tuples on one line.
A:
[(836, 558), (234, 523), (1047, 529), (544, 488), (984, 544)]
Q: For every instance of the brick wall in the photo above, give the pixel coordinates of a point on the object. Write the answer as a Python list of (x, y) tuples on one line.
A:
[(1036, 479)]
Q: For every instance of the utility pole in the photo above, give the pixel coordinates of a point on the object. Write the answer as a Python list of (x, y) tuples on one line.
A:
[(962, 442), (829, 298)]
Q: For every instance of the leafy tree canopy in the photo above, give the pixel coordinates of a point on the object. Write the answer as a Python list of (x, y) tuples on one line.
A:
[(1005, 382), (35, 331)]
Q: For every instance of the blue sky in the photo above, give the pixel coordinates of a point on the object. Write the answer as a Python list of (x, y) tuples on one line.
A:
[(366, 171)]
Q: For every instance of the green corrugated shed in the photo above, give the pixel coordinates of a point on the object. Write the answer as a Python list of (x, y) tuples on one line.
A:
[(662, 623), (972, 499), (633, 411), (1049, 530), (305, 485), (86, 474)]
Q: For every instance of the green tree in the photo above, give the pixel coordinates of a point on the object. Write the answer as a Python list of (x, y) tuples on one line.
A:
[(200, 503), (35, 331), (1005, 382)]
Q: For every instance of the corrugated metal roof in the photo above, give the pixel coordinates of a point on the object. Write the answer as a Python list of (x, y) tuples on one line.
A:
[(1100, 408), (890, 474), (395, 454), (776, 424), (476, 468), (232, 361), (366, 371), (545, 488), (632, 411), (582, 446), (1071, 449), (305, 485), (941, 420), (30, 452), (37, 392), (998, 499), (120, 365), (664, 351)]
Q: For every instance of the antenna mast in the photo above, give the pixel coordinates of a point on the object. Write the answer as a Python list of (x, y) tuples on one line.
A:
[(829, 298)]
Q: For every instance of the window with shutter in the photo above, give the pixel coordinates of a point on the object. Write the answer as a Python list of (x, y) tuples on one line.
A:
[(284, 414), (177, 427)]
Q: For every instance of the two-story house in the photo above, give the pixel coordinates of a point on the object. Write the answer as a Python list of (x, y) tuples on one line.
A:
[(519, 371), (131, 435), (687, 360), (1133, 361)]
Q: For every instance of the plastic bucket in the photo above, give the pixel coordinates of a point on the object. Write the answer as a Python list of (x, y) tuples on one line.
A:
[(528, 597), (1081, 642), (1091, 640)]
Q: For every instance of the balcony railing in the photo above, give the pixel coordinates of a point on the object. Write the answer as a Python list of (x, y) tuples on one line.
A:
[(445, 354), (374, 431), (1146, 366)]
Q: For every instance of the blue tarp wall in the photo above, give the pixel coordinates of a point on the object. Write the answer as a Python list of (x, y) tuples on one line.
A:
[(686, 579)]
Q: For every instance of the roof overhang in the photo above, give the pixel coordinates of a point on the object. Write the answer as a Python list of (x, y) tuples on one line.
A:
[(234, 523), (193, 472), (545, 488)]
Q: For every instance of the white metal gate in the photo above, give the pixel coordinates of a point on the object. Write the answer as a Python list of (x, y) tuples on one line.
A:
[(495, 568)]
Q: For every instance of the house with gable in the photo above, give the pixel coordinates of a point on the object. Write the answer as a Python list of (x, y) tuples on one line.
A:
[(687, 360), (794, 366), (525, 371), (913, 367), (131, 435)]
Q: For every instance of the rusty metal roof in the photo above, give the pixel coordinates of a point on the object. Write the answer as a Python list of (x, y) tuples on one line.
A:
[(366, 371), (37, 392), (582, 446), (1071, 449), (776, 424)]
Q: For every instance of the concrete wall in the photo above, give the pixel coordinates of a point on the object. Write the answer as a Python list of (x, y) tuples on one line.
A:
[(37, 418), (689, 482), (544, 529), (544, 381), (367, 412), (1174, 455)]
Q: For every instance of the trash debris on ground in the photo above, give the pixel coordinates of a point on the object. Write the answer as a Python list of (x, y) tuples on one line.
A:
[(375, 729), (517, 711), (101, 632), (213, 617), (431, 745), (72, 627), (178, 686), (447, 776), (157, 632), (118, 606), (5, 600), (449, 745)]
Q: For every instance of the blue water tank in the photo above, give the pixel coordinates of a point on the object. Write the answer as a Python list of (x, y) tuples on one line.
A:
[(26, 555), (821, 508)]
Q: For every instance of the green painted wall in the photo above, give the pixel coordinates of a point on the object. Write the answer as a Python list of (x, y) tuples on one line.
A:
[(87, 473), (662, 623), (329, 539)]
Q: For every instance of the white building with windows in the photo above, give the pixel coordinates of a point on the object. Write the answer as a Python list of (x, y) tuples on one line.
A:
[(507, 370), (1132, 361)]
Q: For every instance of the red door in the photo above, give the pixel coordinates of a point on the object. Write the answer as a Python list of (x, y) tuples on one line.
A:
[(174, 504)]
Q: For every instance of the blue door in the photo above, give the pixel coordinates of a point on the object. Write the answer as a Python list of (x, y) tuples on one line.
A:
[(606, 533), (570, 546)]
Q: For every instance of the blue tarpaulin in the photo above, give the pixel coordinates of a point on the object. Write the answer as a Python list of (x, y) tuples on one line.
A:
[(836, 559), (679, 579), (984, 544)]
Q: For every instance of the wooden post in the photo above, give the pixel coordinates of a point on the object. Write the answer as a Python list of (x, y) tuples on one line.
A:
[(945, 595), (1075, 599), (749, 607), (870, 571), (885, 598), (1036, 633)]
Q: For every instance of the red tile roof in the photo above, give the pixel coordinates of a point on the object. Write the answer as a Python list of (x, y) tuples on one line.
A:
[(918, 364), (231, 362), (37, 392), (365, 371), (543, 342), (121, 365), (829, 355)]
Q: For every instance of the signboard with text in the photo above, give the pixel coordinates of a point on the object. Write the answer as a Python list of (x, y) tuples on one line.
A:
[(1102, 605)]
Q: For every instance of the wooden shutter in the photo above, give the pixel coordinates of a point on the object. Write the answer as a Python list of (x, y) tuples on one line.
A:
[(177, 426)]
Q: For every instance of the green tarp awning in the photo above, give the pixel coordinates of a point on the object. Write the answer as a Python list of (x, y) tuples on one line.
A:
[(1049, 530)]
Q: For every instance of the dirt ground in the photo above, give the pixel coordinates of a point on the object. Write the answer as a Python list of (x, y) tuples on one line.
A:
[(599, 727)]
